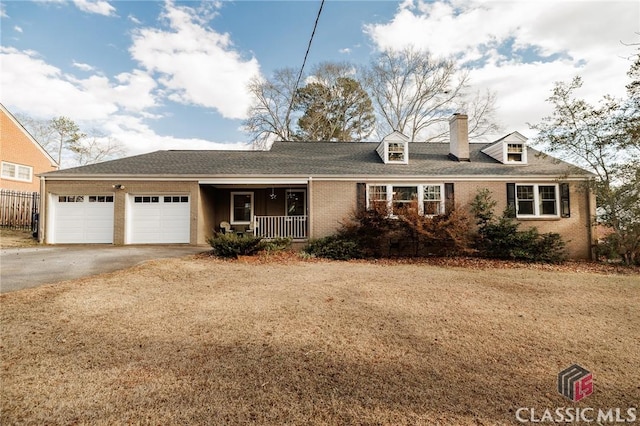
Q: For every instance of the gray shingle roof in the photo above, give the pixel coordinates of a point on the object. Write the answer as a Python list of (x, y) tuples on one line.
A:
[(318, 159)]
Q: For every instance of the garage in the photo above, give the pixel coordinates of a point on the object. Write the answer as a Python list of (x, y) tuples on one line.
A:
[(158, 219), (81, 219)]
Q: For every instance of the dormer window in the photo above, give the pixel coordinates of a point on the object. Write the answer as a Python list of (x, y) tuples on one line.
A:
[(511, 149), (394, 149), (396, 152), (514, 152)]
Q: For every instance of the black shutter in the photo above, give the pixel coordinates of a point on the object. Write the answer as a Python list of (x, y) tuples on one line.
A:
[(361, 197), (511, 199), (565, 207), (449, 198)]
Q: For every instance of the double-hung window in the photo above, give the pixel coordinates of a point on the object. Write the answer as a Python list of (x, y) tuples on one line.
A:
[(241, 208), (432, 200), (515, 153), (537, 200), (378, 197), (396, 152)]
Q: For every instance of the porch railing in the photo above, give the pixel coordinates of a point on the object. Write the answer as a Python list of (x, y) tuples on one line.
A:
[(294, 227)]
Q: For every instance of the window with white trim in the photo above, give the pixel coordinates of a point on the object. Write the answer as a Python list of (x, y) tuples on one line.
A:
[(17, 172), (241, 208), (396, 152), (515, 152), (537, 200), (403, 196), (377, 197), (432, 200), (429, 198)]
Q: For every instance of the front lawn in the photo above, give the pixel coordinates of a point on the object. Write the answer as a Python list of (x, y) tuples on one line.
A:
[(205, 341)]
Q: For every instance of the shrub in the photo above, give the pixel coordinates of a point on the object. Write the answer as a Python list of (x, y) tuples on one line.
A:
[(233, 245), (372, 231), (275, 244), (334, 247), (409, 233), (501, 239)]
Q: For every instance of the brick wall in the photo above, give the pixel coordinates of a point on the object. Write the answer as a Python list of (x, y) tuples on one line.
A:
[(17, 148), (333, 202)]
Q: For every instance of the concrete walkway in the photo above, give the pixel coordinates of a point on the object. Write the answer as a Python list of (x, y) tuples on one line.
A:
[(29, 267)]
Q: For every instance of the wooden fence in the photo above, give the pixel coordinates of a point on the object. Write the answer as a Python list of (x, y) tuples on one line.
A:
[(19, 210)]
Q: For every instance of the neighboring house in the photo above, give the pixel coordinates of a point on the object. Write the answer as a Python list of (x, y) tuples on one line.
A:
[(21, 156), (307, 189)]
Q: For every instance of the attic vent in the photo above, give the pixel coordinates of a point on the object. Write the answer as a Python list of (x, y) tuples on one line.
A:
[(394, 149)]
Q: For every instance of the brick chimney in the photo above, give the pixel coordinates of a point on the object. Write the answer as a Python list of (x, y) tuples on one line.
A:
[(459, 137)]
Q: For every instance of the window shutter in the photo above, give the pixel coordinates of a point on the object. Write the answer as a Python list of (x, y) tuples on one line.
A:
[(361, 197), (565, 208), (449, 197), (511, 199)]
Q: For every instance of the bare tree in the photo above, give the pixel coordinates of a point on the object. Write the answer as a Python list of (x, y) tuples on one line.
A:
[(416, 94), (96, 148), (269, 118), (61, 137), (41, 131)]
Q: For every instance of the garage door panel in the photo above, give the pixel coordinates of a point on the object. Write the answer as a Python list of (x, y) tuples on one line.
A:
[(77, 220), (165, 220)]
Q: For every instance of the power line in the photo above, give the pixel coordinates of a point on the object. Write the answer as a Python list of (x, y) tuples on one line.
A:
[(304, 61)]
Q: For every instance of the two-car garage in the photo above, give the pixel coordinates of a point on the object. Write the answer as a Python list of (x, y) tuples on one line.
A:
[(89, 218)]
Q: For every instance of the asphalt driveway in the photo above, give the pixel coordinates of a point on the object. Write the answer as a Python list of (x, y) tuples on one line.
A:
[(28, 267)]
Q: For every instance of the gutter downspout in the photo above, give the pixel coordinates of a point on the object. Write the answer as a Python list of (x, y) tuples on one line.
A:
[(42, 217), (309, 206), (591, 224)]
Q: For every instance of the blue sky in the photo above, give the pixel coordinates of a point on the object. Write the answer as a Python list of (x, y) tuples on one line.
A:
[(171, 74)]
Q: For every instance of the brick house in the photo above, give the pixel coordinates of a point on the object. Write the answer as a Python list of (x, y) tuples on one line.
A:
[(306, 189), (22, 158)]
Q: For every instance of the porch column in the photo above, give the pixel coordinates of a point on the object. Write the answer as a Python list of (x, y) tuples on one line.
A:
[(309, 209)]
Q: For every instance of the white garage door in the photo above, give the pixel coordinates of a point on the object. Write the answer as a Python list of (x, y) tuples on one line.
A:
[(82, 219), (158, 219)]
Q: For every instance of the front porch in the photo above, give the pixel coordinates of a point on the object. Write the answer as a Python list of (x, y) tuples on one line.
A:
[(268, 211)]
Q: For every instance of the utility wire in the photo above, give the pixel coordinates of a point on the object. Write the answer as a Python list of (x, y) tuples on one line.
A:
[(304, 61)]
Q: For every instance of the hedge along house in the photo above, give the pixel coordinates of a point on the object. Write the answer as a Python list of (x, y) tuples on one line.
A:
[(306, 190)]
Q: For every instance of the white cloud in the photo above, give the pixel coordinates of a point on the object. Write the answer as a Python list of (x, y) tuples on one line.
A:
[(140, 138), (134, 19), (82, 67), (101, 7), (345, 51), (520, 48), (118, 107), (18, 29), (196, 64), (40, 89)]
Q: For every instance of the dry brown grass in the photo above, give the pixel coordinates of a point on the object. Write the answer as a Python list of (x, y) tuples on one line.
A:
[(16, 238), (204, 341)]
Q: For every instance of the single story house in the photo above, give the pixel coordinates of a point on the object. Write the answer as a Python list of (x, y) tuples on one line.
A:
[(305, 190)]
